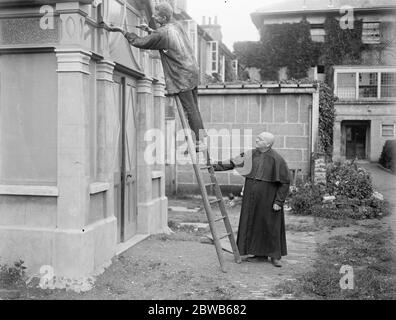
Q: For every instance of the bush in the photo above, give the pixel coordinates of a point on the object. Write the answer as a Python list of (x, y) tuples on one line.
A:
[(388, 155), (347, 180), (304, 199), (353, 189), (12, 276)]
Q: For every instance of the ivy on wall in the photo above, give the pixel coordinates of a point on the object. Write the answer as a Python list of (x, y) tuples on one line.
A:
[(326, 119), (342, 46), (290, 45)]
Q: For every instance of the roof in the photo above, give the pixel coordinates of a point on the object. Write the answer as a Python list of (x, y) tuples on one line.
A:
[(293, 7), (257, 88), (10, 3), (285, 6)]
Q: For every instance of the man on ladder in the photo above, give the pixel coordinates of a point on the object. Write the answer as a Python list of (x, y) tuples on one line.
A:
[(180, 66), (182, 78)]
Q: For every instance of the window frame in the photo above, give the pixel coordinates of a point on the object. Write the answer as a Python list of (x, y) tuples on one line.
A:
[(374, 40), (211, 60), (382, 130), (358, 70)]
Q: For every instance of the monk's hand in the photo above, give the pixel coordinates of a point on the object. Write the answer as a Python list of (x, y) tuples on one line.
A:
[(277, 208)]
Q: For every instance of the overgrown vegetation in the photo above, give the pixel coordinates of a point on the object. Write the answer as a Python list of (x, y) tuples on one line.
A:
[(353, 191), (368, 253), (388, 155), (12, 276), (327, 114), (348, 180), (290, 45)]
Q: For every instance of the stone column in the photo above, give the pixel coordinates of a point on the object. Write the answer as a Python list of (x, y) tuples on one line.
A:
[(79, 250), (144, 177), (106, 127), (337, 136), (159, 99), (73, 138)]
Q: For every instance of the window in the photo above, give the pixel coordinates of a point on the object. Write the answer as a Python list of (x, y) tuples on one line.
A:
[(378, 84), (235, 68), (388, 130), (371, 33), (368, 85), (213, 57), (388, 85), (318, 34), (346, 86)]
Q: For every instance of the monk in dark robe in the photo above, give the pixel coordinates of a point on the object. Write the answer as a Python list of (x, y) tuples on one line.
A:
[(261, 231)]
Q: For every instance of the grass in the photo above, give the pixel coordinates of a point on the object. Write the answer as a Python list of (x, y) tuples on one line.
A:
[(370, 255)]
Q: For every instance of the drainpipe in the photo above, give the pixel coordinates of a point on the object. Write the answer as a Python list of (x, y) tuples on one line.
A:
[(311, 169), (314, 121)]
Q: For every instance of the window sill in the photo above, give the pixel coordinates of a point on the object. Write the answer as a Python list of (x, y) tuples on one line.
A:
[(38, 191), (98, 187), (365, 101), (157, 175)]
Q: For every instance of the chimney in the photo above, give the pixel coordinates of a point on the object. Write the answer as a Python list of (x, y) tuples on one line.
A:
[(214, 30), (203, 20)]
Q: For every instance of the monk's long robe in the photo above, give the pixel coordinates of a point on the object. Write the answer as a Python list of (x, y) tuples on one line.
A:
[(261, 230)]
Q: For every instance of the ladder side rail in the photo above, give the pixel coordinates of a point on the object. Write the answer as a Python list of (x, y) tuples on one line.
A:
[(224, 213), (198, 174)]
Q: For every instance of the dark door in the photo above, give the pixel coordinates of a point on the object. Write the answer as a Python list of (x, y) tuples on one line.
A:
[(125, 168), (356, 141)]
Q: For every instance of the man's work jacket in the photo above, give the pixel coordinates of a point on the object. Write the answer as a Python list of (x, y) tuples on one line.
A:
[(180, 66)]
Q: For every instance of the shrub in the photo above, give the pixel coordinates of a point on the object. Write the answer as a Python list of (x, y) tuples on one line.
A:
[(12, 276), (388, 155), (353, 189), (304, 199), (347, 180)]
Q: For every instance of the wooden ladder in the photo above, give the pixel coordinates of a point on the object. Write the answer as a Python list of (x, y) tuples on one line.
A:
[(207, 203)]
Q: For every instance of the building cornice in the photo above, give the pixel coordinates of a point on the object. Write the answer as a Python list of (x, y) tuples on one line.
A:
[(258, 17), (20, 3)]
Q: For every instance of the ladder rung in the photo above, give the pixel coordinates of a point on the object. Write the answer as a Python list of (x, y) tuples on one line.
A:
[(206, 168), (225, 236), (210, 184), (219, 219), (215, 201)]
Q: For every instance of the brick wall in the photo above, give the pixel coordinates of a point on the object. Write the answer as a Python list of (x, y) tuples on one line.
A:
[(285, 112)]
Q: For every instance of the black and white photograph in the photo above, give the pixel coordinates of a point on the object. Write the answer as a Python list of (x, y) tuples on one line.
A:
[(197, 155)]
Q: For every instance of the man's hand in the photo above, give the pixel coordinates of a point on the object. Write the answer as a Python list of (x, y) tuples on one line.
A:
[(145, 27), (277, 208), (112, 28)]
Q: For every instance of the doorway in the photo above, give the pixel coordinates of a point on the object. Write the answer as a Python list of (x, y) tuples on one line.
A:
[(125, 164), (356, 139)]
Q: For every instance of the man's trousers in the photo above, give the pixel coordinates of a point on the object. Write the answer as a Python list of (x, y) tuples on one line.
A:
[(189, 101)]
